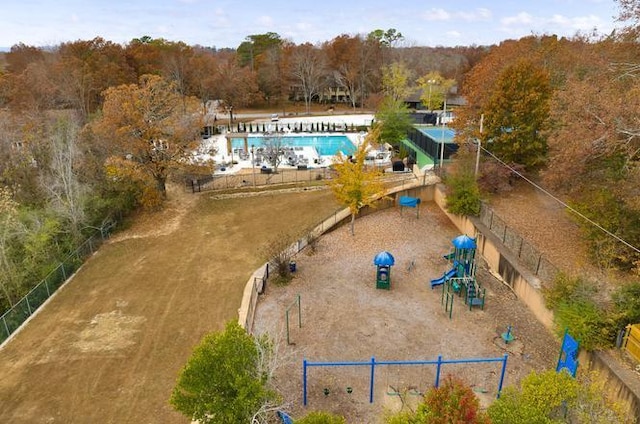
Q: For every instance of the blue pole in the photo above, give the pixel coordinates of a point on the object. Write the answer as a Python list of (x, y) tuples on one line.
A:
[(304, 382), (373, 368), (504, 369), (438, 370)]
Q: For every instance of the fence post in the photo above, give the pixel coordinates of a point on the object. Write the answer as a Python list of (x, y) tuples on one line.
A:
[(299, 313), (504, 369), (304, 382), (26, 298), (6, 327), (371, 384), (439, 364), (287, 319)]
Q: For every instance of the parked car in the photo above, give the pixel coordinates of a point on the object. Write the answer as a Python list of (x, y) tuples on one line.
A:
[(275, 118)]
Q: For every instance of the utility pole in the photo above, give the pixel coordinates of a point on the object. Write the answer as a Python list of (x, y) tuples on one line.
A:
[(479, 146)]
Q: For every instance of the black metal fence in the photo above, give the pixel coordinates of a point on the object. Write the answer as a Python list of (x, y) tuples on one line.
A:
[(12, 319), (528, 255)]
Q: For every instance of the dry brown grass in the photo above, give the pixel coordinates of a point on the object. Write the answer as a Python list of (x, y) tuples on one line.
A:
[(109, 346)]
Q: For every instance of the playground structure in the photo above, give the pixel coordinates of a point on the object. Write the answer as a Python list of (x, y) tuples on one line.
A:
[(568, 357), (460, 279), (383, 262)]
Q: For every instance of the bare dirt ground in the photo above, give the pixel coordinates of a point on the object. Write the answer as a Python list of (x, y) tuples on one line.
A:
[(345, 318), (110, 344)]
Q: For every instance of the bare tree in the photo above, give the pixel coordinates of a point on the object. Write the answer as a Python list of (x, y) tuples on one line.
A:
[(273, 150), (60, 181), (308, 66)]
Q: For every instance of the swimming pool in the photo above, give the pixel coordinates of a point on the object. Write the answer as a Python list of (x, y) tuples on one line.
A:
[(326, 145)]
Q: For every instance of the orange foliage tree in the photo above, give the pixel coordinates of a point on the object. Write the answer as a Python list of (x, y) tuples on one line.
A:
[(145, 125)]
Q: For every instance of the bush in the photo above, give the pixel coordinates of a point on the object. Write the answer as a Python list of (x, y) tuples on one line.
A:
[(541, 399), (451, 402), (627, 304), (572, 300), (463, 194), (587, 322), (567, 289)]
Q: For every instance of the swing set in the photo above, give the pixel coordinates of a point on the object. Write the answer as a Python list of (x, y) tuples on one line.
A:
[(373, 363)]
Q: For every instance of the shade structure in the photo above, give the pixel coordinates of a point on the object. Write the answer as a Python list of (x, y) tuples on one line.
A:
[(384, 259), (464, 242)]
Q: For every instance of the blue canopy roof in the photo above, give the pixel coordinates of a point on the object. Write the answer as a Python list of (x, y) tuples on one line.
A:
[(384, 259), (464, 242)]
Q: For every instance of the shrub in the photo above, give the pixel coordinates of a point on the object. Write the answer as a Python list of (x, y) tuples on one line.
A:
[(541, 398), (567, 289), (463, 194), (572, 300), (627, 303), (587, 322), (451, 402)]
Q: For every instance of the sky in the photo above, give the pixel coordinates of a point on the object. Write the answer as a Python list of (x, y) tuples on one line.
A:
[(226, 23)]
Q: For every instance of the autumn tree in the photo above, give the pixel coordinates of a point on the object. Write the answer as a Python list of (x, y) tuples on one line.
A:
[(262, 55), (452, 402), (225, 381), (434, 89), (344, 54), (397, 81), (147, 128), (355, 185), (236, 85), (86, 68), (516, 115)]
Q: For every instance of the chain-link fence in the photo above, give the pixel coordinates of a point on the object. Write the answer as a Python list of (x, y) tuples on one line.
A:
[(12, 319), (528, 255)]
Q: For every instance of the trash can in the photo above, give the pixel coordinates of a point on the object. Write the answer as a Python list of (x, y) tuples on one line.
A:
[(292, 266)]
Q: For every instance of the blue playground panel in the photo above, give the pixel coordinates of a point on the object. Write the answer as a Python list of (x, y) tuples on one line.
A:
[(284, 417)]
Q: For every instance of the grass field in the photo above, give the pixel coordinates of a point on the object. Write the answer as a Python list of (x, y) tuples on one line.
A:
[(108, 347)]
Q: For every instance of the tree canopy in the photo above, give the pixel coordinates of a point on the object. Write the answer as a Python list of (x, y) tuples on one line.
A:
[(223, 381), (356, 185), (150, 127)]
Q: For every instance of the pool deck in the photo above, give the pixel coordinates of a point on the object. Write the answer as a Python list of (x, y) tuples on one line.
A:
[(307, 156)]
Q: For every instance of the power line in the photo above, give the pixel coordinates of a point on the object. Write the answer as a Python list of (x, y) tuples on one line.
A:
[(542, 189)]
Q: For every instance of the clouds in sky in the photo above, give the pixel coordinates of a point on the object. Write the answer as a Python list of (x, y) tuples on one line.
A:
[(226, 23)]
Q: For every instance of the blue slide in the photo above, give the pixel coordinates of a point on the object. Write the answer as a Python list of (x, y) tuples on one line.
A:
[(439, 281)]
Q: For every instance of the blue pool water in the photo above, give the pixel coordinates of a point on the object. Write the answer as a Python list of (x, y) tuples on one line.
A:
[(438, 133), (326, 145)]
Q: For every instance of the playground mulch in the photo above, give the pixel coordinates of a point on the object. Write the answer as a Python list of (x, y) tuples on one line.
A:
[(345, 318)]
